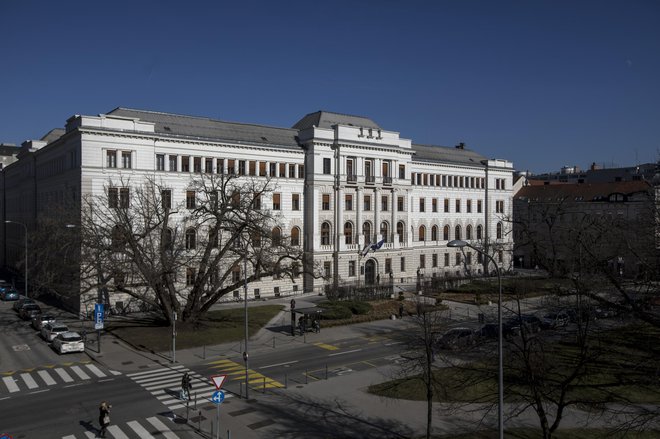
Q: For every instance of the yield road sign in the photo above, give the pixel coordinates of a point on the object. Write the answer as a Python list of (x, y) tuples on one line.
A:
[(218, 396), (218, 380)]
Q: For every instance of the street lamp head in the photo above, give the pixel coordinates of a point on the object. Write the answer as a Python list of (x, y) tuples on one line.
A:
[(457, 243)]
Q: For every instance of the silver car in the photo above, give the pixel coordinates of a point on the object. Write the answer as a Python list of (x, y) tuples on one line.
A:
[(40, 320), (52, 330), (68, 342)]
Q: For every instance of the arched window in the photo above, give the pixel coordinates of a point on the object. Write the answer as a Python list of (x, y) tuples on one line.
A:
[(400, 227), (422, 233), (468, 232), (295, 236), (457, 232), (348, 232), (366, 230), (499, 231), (325, 233), (479, 232), (445, 233), (276, 236), (191, 239), (118, 239), (384, 230), (434, 233)]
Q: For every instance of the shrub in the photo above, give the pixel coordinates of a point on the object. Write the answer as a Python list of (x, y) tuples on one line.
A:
[(334, 312)]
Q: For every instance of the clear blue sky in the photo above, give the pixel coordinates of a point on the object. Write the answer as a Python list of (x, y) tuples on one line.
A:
[(541, 83)]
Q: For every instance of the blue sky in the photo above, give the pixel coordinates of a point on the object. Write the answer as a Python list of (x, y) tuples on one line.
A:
[(540, 83)]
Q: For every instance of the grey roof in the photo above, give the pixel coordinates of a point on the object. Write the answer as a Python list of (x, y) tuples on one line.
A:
[(326, 119), (205, 128), (446, 154), (53, 135)]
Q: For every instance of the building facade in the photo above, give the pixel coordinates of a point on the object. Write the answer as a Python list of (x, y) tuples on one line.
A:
[(341, 183)]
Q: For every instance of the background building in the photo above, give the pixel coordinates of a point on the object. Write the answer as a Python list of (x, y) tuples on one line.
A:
[(342, 183)]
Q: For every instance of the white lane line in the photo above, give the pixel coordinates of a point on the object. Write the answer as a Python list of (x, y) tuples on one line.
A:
[(114, 372), (345, 352), (278, 364), (90, 435), (69, 437), (162, 428), (393, 343), (46, 377), (29, 381), (146, 381), (140, 430), (11, 384), (174, 407), (65, 376), (80, 372), (169, 369), (96, 371), (116, 432)]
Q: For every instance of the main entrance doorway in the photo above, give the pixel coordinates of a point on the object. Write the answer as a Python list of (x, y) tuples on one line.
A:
[(370, 272)]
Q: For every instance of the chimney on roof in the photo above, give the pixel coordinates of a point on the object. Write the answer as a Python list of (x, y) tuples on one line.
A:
[(460, 145)]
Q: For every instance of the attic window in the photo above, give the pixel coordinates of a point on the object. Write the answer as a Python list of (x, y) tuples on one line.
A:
[(264, 139), (166, 128)]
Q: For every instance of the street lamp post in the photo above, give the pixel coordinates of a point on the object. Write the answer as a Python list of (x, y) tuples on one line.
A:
[(27, 294), (245, 310), (457, 243)]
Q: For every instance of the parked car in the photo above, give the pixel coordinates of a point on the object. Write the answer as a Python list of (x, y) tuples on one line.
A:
[(489, 330), (9, 294), (40, 320), (21, 301), (68, 342), (601, 312), (4, 285), (554, 320), (456, 337), (29, 310), (52, 330), (524, 322)]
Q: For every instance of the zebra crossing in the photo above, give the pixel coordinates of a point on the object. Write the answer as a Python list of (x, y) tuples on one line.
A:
[(165, 385), (153, 427), (44, 378)]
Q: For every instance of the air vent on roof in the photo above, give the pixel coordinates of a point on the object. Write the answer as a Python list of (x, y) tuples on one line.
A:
[(166, 128), (264, 139)]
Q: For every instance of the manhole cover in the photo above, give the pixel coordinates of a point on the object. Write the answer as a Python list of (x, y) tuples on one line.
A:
[(21, 347)]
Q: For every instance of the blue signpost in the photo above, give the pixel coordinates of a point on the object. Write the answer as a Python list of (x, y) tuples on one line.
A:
[(217, 398), (98, 322)]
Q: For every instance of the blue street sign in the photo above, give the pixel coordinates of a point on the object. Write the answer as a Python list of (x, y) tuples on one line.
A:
[(218, 396), (98, 316), (5, 436)]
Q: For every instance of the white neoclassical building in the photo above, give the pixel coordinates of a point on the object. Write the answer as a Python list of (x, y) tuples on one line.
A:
[(342, 182)]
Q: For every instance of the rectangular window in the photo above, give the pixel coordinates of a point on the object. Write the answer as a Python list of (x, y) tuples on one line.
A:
[(166, 198), (388, 265), (113, 197), (422, 261), (446, 205), (160, 162), (384, 203), (446, 259), (434, 260), (262, 169), (197, 164), (403, 264), (468, 206), (499, 206), (422, 204), (208, 166), (325, 203), (327, 268), (236, 274), (478, 206), (253, 167), (173, 167), (231, 167), (220, 166), (292, 171), (190, 277), (190, 200), (273, 170), (348, 202), (276, 291), (111, 159), (458, 259), (241, 167), (402, 172), (256, 202), (434, 204), (326, 166), (301, 171), (468, 258), (282, 170), (124, 198), (295, 201), (458, 205), (400, 205), (185, 163), (351, 268), (367, 202), (276, 201), (500, 256), (126, 160)]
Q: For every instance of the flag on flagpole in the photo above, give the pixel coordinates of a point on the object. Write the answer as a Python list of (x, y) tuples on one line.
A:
[(365, 250), (372, 247)]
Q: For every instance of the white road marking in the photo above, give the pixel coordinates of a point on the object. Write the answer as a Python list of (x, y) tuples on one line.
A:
[(162, 428), (11, 384), (96, 371), (140, 430), (46, 377), (69, 437), (345, 352), (116, 432), (80, 372), (278, 364), (65, 376), (149, 372), (29, 381)]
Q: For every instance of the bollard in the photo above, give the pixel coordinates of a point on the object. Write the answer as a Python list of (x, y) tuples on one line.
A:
[(199, 421), (228, 434), (195, 400), (326, 371)]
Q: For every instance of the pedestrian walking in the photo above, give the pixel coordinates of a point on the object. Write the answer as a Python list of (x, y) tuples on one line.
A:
[(401, 310), (185, 386), (317, 326), (104, 417)]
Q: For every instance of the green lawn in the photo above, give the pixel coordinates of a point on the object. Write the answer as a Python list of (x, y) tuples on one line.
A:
[(217, 327)]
